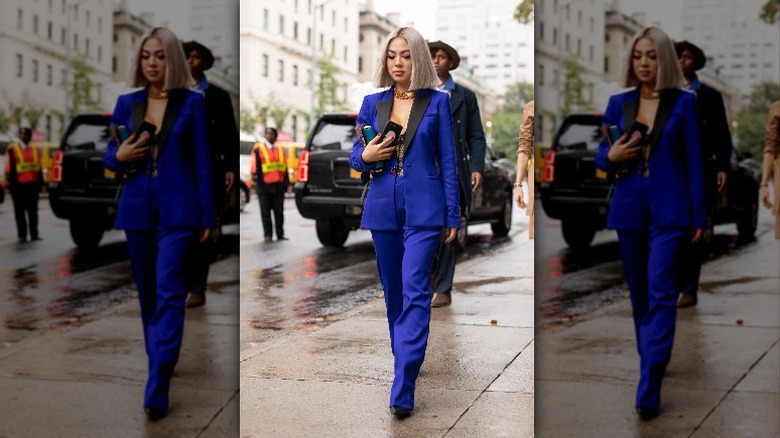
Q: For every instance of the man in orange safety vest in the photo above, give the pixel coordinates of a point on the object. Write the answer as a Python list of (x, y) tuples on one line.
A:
[(269, 167), (24, 178)]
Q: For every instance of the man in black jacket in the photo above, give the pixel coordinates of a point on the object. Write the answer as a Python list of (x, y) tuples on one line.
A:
[(716, 150), (223, 139), (470, 151)]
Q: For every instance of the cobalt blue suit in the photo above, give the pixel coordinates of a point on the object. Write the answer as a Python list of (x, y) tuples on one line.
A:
[(161, 215), (653, 213), (406, 215)]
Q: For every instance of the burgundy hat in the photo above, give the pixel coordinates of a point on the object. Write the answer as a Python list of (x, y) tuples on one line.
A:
[(452, 53)]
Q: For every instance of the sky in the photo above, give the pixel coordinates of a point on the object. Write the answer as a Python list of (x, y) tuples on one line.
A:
[(664, 13), (174, 15), (421, 12)]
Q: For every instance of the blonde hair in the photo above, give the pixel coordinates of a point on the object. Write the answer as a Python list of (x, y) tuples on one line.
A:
[(177, 71), (669, 72), (423, 73)]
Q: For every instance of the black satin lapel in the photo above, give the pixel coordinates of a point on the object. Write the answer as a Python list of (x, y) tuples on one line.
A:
[(419, 106), (175, 103), (629, 113), (665, 106), (137, 111), (383, 113)]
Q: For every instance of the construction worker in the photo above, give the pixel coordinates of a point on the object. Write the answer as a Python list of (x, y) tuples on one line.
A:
[(24, 178), (269, 167)]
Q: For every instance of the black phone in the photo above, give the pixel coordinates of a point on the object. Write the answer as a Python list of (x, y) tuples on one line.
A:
[(393, 127), (642, 129), (150, 128)]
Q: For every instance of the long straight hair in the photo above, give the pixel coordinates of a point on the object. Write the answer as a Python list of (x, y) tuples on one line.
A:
[(669, 72), (423, 73), (177, 71)]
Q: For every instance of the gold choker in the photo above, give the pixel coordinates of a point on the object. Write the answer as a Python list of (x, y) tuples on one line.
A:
[(655, 94), (161, 95), (403, 96)]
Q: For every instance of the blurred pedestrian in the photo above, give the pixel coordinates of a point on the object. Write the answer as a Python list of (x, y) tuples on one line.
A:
[(223, 140), (411, 198), (470, 148), (658, 203), (771, 166), (716, 150), (24, 179), (269, 167), (166, 204), (525, 160)]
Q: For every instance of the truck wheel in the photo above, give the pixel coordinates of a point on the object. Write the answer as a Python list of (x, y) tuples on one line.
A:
[(332, 232), (243, 196), (501, 228), (86, 234), (748, 220), (578, 232)]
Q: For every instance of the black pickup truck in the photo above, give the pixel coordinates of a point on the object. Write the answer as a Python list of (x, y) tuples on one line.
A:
[(328, 190)]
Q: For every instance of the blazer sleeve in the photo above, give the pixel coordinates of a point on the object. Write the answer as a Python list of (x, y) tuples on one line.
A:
[(694, 160), (118, 117), (355, 158), (526, 138), (611, 117), (772, 138), (475, 135), (202, 161), (228, 133), (724, 147), (447, 165)]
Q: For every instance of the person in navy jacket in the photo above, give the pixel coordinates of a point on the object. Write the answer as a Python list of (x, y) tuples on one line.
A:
[(166, 204), (411, 199), (658, 200)]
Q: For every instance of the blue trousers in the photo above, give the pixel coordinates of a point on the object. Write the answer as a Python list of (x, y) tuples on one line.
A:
[(158, 259), (650, 260), (404, 260)]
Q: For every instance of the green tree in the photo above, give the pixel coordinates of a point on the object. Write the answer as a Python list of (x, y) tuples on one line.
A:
[(752, 122), (82, 87), (247, 120), (762, 95), (5, 122), (573, 87), (506, 127), (769, 11), (524, 13), (518, 94), (328, 87)]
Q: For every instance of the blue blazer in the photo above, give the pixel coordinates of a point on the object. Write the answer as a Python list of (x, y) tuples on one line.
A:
[(676, 181), (183, 197), (430, 175)]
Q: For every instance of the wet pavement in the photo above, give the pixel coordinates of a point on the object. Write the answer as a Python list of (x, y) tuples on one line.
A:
[(315, 358), (724, 376), (72, 360)]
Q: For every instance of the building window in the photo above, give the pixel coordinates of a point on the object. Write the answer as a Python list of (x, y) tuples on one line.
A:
[(264, 66), (49, 75), (35, 24), (49, 31), (346, 24), (295, 31), (590, 56), (48, 126), (295, 127), (555, 36), (100, 54), (308, 36), (322, 41), (281, 24), (579, 18), (35, 70), (19, 61), (345, 54), (113, 64), (333, 47), (265, 20), (100, 24), (579, 47), (281, 71), (87, 48), (76, 41), (361, 37), (88, 17), (567, 41), (541, 30), (62, 36), (310, 6), (51, 2), (592, 26), (360, 64), (19, 17), (606, 64), (541, 75), (333, 18), (295, 75)]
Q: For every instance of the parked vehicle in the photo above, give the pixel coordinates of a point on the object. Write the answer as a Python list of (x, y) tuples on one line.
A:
[(574, 191), (81, 190), (328, 190)]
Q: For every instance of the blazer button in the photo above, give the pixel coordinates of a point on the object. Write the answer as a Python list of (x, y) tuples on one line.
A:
[(408, 164)]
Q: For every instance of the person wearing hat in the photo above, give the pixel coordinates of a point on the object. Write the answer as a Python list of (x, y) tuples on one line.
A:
[(223, 140), (716, 150), (470, 148)]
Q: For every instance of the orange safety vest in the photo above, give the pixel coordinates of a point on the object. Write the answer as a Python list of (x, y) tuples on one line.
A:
[(273, 163), (27, 163)]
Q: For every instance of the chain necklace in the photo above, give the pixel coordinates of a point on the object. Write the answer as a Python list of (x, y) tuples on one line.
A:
[(653, 95), (161, 95), (403, 95)]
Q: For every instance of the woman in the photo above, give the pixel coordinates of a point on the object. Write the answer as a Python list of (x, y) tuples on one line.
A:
[(771, 147), (411, 199), (658, 201), (166, 203)]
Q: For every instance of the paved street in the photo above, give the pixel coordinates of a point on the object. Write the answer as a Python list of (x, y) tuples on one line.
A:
[(315, 356), (72, 360), (724, 376)]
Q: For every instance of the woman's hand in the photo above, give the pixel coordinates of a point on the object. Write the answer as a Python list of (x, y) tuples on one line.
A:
[(376, 151), (450, 234), (519, 195), (696, 234), (132, 150), (765, 196), (204, 235), (623, 150)]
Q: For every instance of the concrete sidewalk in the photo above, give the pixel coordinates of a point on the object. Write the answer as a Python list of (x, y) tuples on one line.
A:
[(723, 379), (88, 380), (477, 378)]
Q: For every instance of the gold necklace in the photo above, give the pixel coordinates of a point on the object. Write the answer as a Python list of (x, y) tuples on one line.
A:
[(403, 95), (655, 94), (163, 94)]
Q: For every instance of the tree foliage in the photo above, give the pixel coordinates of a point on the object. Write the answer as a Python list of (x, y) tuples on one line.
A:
[(769, 12), (82, 87), (506, 121), (524, 13), (518, 94), (247, 120), (752, 122), (328, 87)]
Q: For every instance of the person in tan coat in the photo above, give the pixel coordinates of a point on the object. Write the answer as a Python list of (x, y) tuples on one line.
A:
[(771, 147), (525, 159)]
